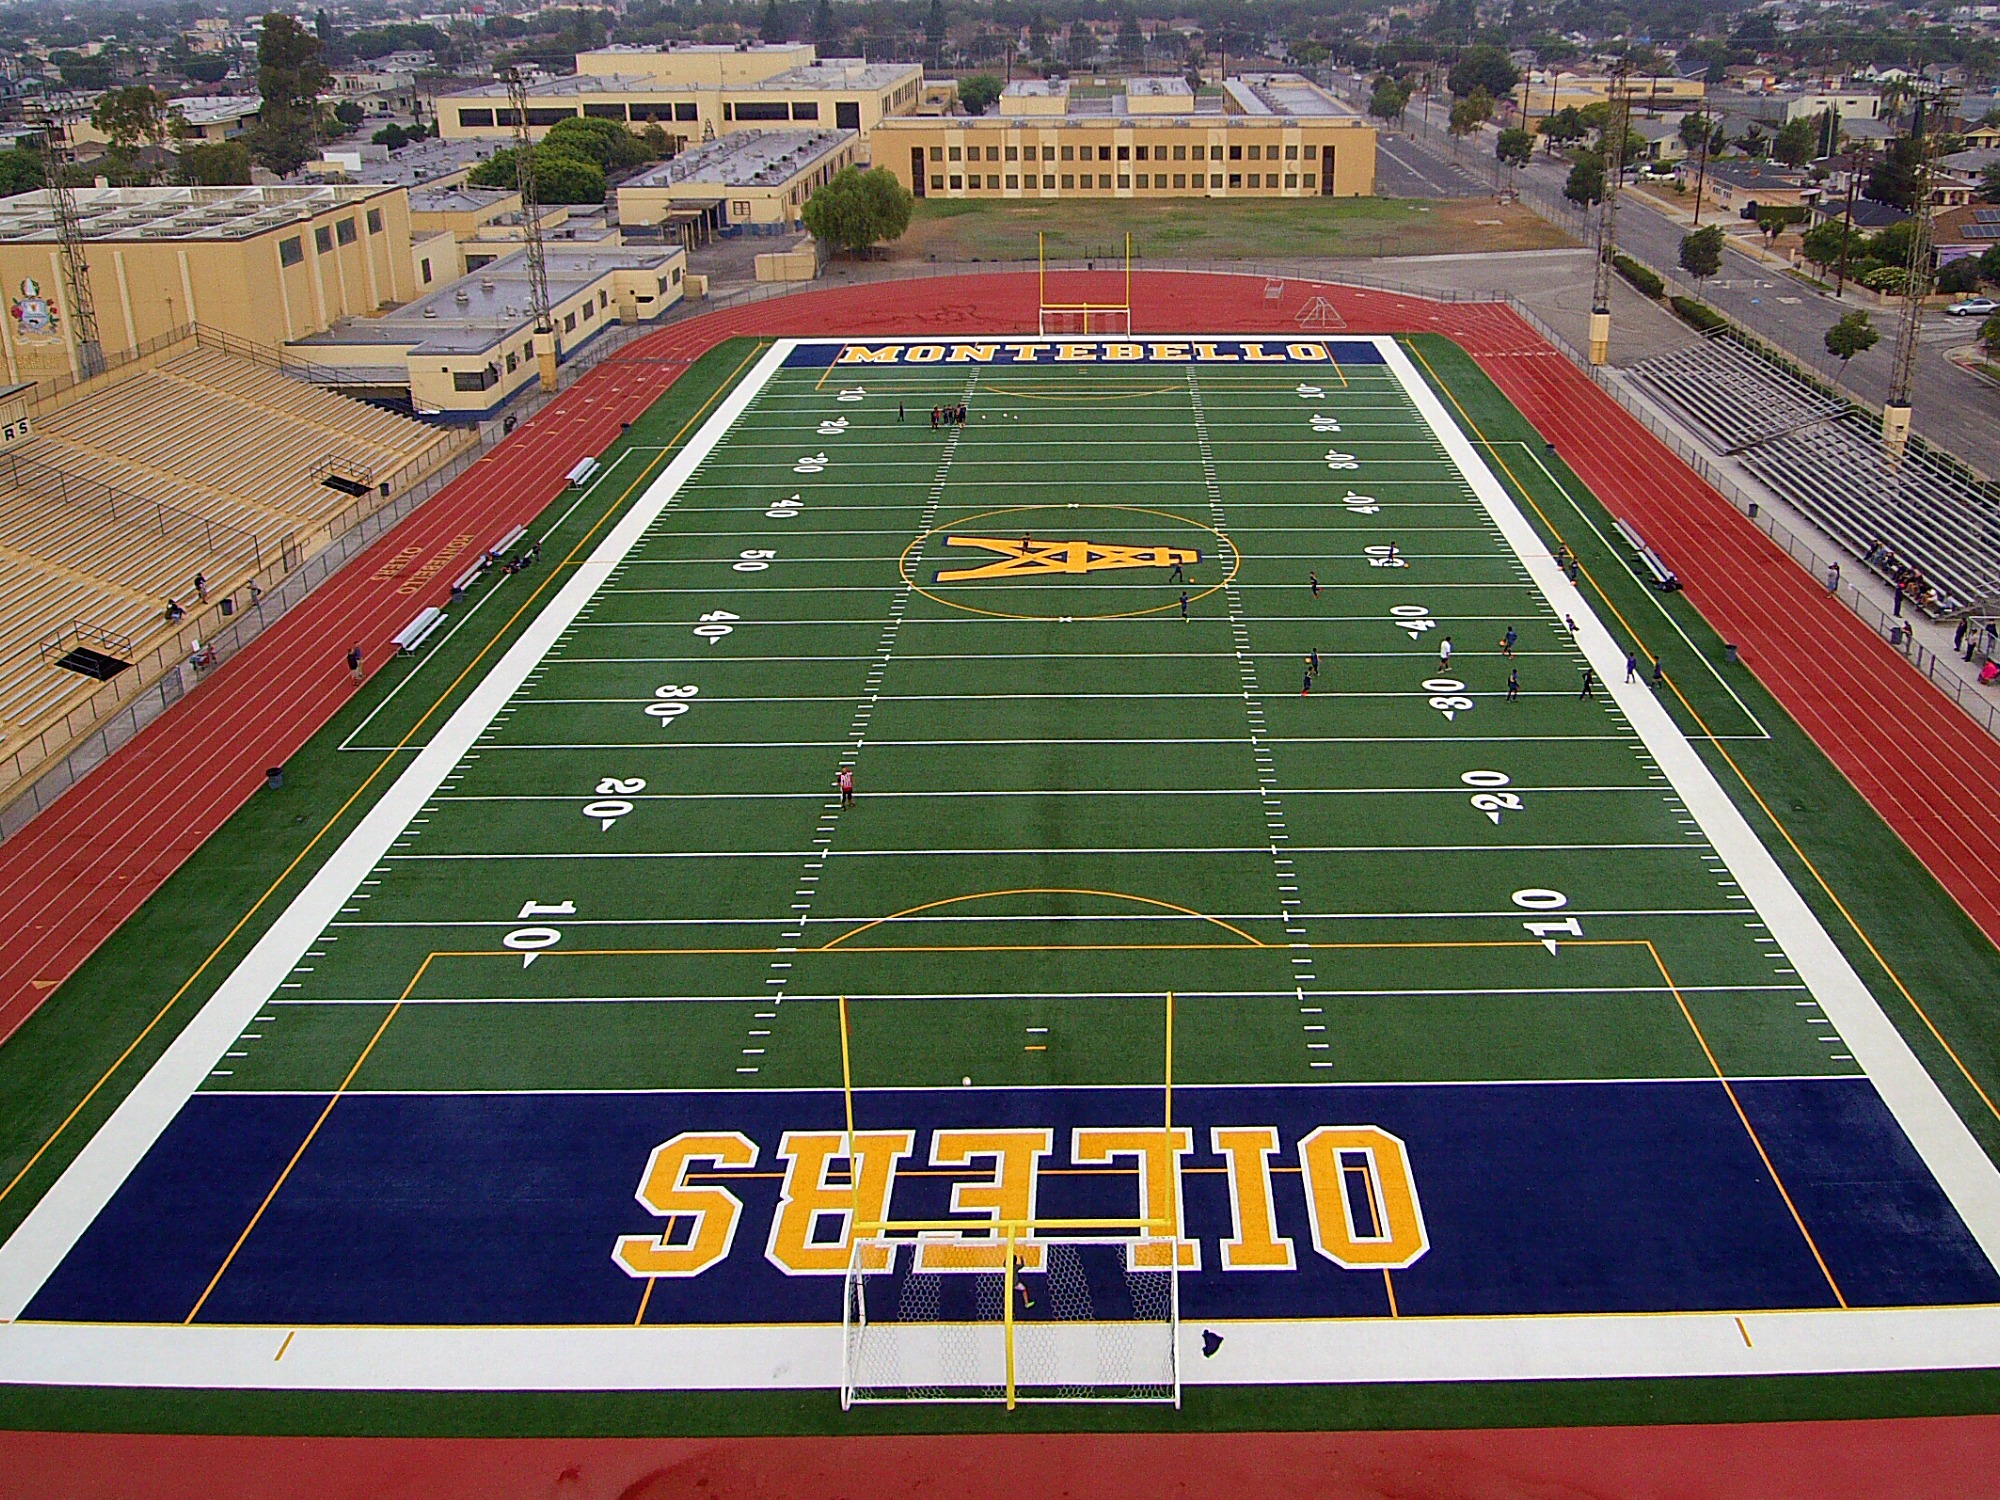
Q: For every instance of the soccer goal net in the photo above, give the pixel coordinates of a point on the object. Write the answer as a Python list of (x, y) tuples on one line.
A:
[(1060, 1320), (1106, 320)]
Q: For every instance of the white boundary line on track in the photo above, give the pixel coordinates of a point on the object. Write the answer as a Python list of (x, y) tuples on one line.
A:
[(37, 1247), (792, 1357)]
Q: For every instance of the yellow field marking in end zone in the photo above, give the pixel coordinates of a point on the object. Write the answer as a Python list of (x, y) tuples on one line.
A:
[(1749, 786), (388, 760)]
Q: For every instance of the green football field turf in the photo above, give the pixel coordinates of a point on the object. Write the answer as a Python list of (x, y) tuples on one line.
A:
[(1071, 800)]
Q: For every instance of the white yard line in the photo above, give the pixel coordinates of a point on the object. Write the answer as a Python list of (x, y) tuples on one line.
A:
[(47, 1234)]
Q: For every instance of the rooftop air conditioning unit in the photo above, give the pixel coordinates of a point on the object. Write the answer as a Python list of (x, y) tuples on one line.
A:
[(430, 312)]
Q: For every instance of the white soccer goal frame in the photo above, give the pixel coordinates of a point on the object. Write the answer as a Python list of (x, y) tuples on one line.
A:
[(1002, 1358)]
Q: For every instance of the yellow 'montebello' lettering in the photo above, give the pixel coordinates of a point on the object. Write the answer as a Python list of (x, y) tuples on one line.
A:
[(861, 354), (1026, 354), (1124, 351), (1256, 351), (1257, 1246), (1170, 351), (963, 354), (923, 354), (1009, 1194), (665, 1192), (809, 1156), (1209, 354), (1076, 351), (1159, 1153), (1391, 1233), (1306, 351)]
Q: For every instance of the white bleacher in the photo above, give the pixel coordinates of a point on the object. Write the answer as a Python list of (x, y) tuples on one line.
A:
[(1827, 459)]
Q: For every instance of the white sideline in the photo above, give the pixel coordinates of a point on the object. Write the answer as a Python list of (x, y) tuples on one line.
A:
[(780, 1356), (1948, 1148), (55, 1224)]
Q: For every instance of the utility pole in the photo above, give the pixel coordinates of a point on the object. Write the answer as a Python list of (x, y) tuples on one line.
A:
[(1847, 220), (82, 305), (1926, 119), (531, 225), (1616, 127)]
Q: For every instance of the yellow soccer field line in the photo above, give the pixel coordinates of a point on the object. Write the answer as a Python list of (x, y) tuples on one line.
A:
[(387, 760), (1749, 786)]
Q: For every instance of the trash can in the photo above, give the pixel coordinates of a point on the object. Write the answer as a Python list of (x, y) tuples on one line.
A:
[(228, 605), (274, 777), (1895, 635), (1753, 510), (1729, 653)]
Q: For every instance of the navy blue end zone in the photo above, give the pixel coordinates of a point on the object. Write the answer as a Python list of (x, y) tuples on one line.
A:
[(862, 355), (1537, 1198)]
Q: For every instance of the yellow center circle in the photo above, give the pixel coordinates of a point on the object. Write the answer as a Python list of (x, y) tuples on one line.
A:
[(903, 563)]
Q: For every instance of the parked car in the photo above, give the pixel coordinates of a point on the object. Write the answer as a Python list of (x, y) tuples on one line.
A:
[(1974, 307)]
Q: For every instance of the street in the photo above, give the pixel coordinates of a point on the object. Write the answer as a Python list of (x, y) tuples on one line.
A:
[(1952, 408)]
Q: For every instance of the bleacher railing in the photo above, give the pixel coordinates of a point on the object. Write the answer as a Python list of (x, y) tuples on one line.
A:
[(227, 543)]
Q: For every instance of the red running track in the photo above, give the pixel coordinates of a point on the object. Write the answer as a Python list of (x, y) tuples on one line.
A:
[(76, 872), (1936, 1458)]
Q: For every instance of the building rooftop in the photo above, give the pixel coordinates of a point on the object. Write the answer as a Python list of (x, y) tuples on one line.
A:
[(216, 109), (1290, 94), (411, 166), (1038, 88), (457, 200), (487, 306), (827, 73), (176, 213), (746, 158)]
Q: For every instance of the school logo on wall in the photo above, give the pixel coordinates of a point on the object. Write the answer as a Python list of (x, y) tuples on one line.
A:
[(35, 317)]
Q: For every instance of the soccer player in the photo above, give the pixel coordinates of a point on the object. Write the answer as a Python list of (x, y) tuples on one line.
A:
[(1589, 684), (1177, 576), (1307, 687), (1444, 653), (1514, 685), (1508, 641), (1184, 602), (1631, 665), (1312, 581), (845, 781), (1312, 662)]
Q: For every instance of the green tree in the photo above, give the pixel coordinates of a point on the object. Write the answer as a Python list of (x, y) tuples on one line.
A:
[(131, 117), (291, 75), (776, 25), (1893, 178), (1754, 144), (605, 142), (1483, 67), (1958, 277), (1131, 39), (936, 33), (1515, 148), (1586, 180), (1774, 219), (1891, 246), (1989, 264), (1795, 142), (978, 92), (859, 209), (1565, 127), (21, 171), (1989, 183), (1989, 336), (1389, 99), (826, 30), (215, 164), (1471, 112), (562, 177), (1852, 335), (1701, 251), (391, 135), (350, 114), (1827, 243), (659, 145)]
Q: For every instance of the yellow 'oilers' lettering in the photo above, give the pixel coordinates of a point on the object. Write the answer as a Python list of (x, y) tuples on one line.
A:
[(1159, 1187), (1021, 558), (665, 1192), (863, 1196), (1257, 1245), (1008, 1195), (1361, 1198)]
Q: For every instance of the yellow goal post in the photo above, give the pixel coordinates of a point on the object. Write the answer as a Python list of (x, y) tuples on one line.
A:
[(1053, 317)]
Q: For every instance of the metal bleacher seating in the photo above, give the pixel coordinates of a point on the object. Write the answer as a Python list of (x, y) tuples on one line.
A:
[(1826, 457), (208, 463)]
